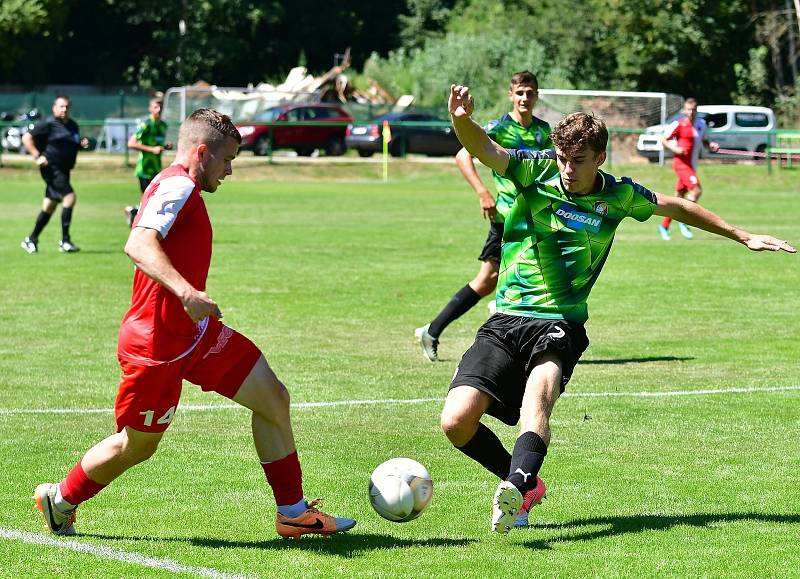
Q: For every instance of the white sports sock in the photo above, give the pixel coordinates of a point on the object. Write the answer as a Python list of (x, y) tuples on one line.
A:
[(61, 503), (294, 510)]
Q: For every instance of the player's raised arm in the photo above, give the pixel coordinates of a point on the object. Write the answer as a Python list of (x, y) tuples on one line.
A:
[(475, 140), (694, 214)]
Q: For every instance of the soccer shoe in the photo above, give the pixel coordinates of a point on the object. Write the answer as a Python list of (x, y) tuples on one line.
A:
[(430, 345), (29, 245), (664, 232), (532, 498), (58, 522), (685, 231), (67, 247), (130, 214), (505, 505), (312, 520)]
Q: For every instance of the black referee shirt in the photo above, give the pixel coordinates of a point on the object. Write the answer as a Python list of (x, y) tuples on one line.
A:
[(58, 141)]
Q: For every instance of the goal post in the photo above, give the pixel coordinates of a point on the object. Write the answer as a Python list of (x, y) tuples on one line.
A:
[(629, 111)]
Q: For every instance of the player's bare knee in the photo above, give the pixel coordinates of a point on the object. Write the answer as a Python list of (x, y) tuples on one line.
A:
[(457, 426), (136, 449)]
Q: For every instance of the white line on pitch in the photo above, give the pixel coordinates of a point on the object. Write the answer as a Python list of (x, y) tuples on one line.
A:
[(201, 407), (114, 554)]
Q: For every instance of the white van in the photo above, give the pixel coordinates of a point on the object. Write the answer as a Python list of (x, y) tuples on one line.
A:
[(739, 127)]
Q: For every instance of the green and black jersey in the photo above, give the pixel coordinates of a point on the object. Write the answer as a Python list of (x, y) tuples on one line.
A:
[(151, 133), (509, 134), (554, 243)]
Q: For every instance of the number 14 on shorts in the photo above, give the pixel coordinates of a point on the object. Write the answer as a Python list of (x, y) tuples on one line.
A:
[(150, 414)]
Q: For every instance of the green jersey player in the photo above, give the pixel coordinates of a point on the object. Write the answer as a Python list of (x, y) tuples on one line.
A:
[(150, 139), (557, 237), (520, 130)]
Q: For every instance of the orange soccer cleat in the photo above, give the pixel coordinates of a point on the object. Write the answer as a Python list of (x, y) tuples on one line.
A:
[(312, 520)]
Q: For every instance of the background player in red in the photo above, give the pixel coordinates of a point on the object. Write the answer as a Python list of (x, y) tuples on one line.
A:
[(172, 332), (684, 138)]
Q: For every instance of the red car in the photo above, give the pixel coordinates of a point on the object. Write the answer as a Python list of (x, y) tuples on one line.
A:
[(318, 127)]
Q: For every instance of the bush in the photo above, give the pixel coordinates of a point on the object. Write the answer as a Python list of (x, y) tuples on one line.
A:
[(483, 61)]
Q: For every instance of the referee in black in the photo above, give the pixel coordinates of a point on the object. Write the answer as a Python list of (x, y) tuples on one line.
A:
[(54, 144)]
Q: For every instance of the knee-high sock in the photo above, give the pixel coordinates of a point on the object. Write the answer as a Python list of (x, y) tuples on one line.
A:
[(666, 221), (487, 450), (286, 479), (41, 221), (66, 221), (459, 304), (526, 460), (78, 487)]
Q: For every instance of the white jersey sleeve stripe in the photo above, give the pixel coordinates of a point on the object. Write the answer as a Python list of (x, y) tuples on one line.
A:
[(162, 208)]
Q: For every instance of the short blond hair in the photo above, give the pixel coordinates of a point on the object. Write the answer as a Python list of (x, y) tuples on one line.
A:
[(209, 127), (579, 130)]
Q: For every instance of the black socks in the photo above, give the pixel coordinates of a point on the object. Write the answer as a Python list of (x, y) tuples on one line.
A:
[(66, 221), (486, 449), (459, 304), (527, 459), (41, 221)]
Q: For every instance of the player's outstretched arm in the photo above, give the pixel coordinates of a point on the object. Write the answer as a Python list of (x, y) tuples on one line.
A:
[(470, 133), (697, 216), (145, 251)]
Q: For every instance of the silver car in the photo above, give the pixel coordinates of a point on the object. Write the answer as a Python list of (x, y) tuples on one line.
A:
[(734, 127)]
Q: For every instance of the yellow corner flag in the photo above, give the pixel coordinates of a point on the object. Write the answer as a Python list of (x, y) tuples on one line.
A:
[(387, 136)]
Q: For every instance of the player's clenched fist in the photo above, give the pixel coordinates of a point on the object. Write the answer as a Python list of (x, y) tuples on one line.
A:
[(460, 103)]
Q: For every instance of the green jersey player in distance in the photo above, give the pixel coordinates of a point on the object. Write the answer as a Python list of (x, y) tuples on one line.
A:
[(518, 129), (556, 239), (150, 139)]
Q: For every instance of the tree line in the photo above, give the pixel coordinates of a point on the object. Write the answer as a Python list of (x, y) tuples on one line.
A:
[(742, 51)]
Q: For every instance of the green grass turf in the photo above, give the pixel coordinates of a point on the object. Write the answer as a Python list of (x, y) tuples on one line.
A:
[(329, 271)]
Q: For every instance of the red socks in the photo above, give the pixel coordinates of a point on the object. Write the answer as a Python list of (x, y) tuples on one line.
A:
[(285, 478), (78, 487), (666, 222)]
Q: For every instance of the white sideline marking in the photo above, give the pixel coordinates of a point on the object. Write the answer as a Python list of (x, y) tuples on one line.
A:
[(201, 407), (115, 554)]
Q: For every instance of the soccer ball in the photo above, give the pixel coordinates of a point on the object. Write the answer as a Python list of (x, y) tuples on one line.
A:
[(400, 489)]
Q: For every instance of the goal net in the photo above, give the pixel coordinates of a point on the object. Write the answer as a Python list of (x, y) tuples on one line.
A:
[(626, 114)]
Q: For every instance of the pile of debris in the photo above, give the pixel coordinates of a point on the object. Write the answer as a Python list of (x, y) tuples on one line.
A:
[(299, 86)]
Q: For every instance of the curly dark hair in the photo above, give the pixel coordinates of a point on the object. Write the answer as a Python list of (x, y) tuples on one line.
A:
[(579, 130)]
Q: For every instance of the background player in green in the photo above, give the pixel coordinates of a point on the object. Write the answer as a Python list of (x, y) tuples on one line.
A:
[(518, 129), (150, 140), (555, 241)]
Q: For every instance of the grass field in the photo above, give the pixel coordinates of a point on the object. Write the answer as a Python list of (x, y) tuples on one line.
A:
[(675, 452)]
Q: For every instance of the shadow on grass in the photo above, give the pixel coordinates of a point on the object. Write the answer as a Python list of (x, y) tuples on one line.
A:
[(638, 360), (579, 529), (344, 545)]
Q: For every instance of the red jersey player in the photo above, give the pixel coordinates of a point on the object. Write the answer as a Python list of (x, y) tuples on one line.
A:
[(173, 332), (684, 138)]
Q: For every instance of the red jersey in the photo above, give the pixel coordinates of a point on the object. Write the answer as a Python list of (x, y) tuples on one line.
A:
[(156, 329), (690, 138)]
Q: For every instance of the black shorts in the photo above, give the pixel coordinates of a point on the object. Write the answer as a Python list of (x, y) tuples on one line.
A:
[(57, 185), (491, 249), (505, 351), (144, 182)]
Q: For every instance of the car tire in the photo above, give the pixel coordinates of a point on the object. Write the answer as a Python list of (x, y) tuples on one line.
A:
[(304, 151), (363, 153), (335, 147), (762, 148), (261, 147)]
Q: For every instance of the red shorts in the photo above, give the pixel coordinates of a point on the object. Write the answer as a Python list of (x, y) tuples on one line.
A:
[(148, 395), (687, 179)]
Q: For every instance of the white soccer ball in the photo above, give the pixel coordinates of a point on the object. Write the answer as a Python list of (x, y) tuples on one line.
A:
[(400, 489)]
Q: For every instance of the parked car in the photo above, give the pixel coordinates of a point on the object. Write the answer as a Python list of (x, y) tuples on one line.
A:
[(425, 139), (325, 129), (743, 128)]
